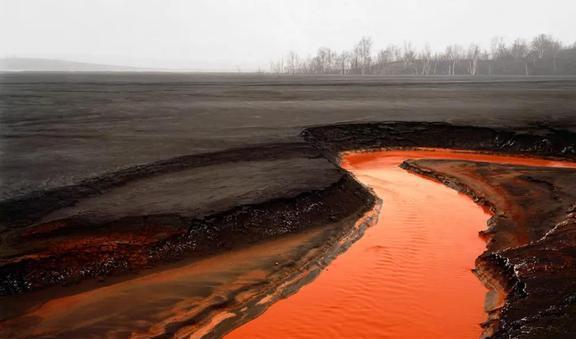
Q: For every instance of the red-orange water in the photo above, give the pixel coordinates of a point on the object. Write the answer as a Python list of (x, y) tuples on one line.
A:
[(409, 276)]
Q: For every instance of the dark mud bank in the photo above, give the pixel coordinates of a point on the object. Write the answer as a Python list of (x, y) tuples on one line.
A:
[(529, 264), (92, 229), (40, 251), (538, 140)]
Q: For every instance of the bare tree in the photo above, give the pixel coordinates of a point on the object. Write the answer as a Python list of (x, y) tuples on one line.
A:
[(426, 59), (323, 61), (384, 56), (541, 45), (292, 62), (363, 54), (408, 55), (555, 49), (437, 58), (453, 54), (473, 57), (382, 59), (541, 56), (387, 56), (519, 51), (343, 62), (277, 67), (545, 46), (397, 53)]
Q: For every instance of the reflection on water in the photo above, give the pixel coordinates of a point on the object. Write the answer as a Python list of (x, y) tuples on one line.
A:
[(146, 305), (409, 276), (187, 300)]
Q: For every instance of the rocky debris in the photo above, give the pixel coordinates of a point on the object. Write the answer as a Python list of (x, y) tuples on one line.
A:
[(541, 300)]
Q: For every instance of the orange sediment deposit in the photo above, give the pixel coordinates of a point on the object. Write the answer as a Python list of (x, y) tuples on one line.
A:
[(410, 275), (357, 158), (157, 299), (187, 300)]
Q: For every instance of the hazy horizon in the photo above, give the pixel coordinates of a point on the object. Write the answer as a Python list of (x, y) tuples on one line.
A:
[(231, 35)]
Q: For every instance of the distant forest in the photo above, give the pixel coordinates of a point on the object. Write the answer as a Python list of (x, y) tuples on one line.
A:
[(543, 55)]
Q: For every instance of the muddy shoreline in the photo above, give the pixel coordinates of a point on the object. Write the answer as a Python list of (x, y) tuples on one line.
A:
[(545, 309), (525, 267), (70, 250), (211, 296), (39, 252)]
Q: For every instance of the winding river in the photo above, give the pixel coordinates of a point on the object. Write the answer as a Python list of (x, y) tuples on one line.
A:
[(410, 275)]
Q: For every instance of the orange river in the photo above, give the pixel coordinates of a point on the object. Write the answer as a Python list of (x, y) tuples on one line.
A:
[(409, 276)]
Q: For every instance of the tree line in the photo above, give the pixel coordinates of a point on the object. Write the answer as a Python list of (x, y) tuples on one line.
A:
[(543, 55)]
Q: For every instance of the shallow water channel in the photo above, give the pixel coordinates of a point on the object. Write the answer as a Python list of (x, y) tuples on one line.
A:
[(410, 275)]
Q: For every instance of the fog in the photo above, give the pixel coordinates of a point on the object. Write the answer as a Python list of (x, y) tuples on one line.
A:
[(248, 34)]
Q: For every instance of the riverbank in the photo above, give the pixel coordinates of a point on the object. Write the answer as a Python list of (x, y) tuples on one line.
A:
[(87, 230), (409, 276), (528, 265), (527, 198)]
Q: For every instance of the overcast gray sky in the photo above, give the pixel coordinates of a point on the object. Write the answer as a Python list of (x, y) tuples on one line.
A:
[(245, 34)]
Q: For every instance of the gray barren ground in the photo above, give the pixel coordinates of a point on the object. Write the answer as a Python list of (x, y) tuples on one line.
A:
[(60, 128)]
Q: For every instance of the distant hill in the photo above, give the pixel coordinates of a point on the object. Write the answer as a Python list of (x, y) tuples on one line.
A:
[(50, 65)]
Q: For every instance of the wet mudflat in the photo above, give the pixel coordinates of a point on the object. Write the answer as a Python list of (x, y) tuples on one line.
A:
[(146, 305), (410, 275), (182, 300)]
